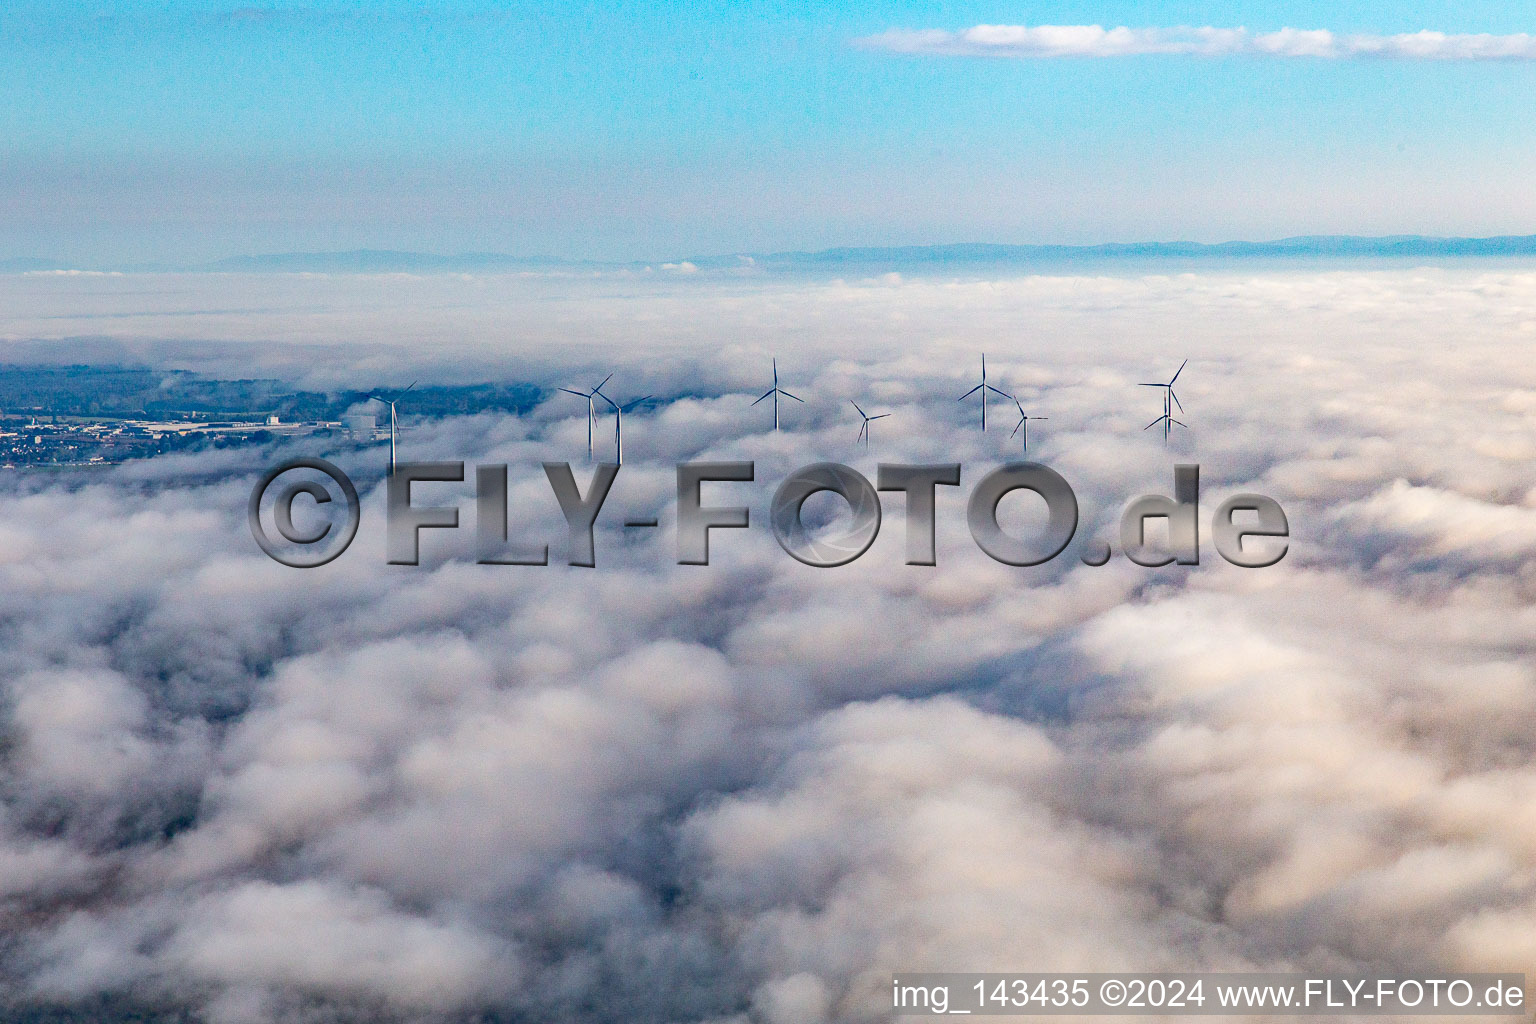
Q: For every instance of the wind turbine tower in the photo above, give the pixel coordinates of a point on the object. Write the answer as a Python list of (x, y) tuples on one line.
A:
[(618, 420)]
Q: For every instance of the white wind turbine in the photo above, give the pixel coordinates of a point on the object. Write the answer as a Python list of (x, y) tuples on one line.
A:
[(864, 427), (1023, 423), (775, 392), (392, 422), (618, 420), (983, 387), (1169, 401), (591, 409)]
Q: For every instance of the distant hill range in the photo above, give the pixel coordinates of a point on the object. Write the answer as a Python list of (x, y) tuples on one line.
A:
[(1346, 246), (373, 261), (913, 257), (929, 257)]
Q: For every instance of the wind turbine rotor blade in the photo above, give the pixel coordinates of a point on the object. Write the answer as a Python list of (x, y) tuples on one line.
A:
[(856, 406), (995, 391), (1017, 425), (1175, 398), (767, 394), (969, 393), (636, 402), (578, 394), (605, 381), (786, 394), (1151, 385), (413, 384), (1180, 370), (881, 416), (1154, 423)]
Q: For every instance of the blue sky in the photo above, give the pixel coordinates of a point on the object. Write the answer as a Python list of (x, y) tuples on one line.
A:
[(181, 130)]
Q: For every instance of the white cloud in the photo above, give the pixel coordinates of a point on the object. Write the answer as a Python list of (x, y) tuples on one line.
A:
[(1038, 41)]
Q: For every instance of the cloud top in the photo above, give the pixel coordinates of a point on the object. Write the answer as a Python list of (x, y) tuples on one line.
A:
[(749, 794), (1043, 41)]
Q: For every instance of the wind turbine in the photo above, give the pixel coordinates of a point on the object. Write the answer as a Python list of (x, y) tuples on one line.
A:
[(776, 391), (864, 428), (1023, 423), (591, 409), (983, 387), (392, 423), (1169, 401), (618, 420)]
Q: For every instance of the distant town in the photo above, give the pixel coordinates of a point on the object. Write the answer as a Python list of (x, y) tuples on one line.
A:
[(104, 415)]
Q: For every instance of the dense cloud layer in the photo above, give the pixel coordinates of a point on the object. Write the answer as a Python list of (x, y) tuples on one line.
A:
[(752, 791)]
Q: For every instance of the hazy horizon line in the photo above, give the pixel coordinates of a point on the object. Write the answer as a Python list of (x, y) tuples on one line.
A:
[(366, 258)]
